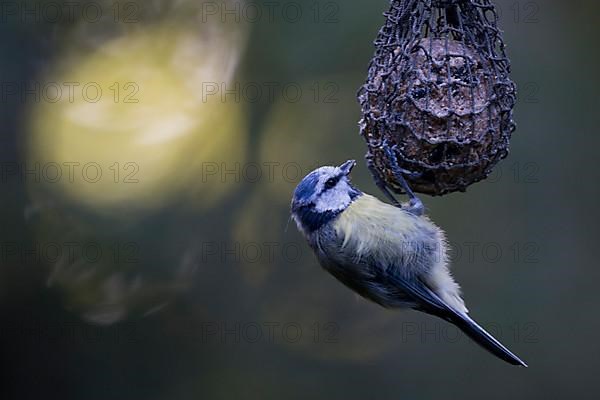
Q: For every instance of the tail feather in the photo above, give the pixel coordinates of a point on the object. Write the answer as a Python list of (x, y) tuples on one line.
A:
[(483, 338), (427, 301)]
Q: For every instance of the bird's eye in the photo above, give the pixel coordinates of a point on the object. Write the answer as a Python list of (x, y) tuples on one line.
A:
[(331, 182)]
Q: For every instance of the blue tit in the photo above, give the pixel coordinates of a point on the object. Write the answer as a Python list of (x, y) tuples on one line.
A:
[(392, 255)]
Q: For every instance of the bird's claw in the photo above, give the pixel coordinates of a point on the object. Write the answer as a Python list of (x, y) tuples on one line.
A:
[(415, 205)]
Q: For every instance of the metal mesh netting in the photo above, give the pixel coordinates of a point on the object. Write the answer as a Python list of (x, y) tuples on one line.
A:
[(438, 93)]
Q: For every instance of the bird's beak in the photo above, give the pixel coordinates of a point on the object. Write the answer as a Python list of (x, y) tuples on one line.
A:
[(347, 166)]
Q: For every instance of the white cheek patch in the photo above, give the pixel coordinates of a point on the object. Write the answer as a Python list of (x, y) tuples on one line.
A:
[(335, 199)]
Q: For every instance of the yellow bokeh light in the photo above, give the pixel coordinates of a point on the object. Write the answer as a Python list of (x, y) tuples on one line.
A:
[(130, 125)]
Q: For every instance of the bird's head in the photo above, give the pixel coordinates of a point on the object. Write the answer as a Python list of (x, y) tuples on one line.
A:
[(322, 195)]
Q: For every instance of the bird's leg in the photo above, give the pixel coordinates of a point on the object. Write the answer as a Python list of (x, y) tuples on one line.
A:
[(380, 182), (415, 205)]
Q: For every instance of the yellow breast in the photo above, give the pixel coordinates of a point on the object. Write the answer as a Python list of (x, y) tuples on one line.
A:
[(370, 227)]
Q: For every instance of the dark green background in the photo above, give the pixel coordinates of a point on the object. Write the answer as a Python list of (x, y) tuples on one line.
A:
[(540, 295)]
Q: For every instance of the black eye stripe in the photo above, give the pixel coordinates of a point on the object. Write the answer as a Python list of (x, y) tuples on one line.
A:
[(331, 183)]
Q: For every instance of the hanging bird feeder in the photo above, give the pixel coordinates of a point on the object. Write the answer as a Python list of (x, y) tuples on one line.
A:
[(438, 96)]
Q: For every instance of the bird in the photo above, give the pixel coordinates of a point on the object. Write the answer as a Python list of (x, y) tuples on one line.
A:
[(390, 254)]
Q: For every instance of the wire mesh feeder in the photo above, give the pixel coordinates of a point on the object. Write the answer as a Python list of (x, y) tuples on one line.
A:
[(438, 95)]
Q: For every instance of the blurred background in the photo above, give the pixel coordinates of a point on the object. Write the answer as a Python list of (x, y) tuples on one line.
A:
[(148, 151)]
